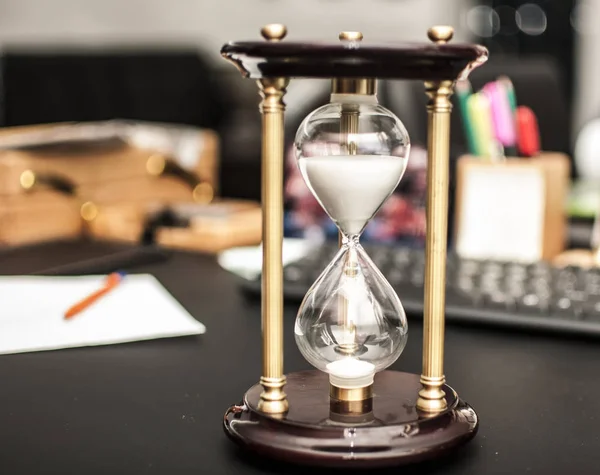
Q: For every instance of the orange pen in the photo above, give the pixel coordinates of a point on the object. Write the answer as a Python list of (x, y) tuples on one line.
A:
[(112, 280)]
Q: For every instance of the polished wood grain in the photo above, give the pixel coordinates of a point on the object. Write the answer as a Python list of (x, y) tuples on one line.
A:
[(259, 59), (393, 433)]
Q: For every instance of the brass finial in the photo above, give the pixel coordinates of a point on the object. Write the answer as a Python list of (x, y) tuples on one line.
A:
[(362, 86), (351, 36), (273, 32), (440, 34)]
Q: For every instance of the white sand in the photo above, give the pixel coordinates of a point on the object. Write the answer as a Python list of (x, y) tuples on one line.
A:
[(351, 373), (352, 188)]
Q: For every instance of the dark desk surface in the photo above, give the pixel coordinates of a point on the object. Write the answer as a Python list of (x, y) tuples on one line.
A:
[(156, 407)]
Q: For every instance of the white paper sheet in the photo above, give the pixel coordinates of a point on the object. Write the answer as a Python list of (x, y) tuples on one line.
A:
[(140, 308)]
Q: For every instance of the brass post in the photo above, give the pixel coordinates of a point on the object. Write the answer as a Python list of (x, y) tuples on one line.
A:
[(349, 119), (431, 396), (273, 399), (348, 127)]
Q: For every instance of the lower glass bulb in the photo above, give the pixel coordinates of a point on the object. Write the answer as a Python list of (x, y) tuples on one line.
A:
[(351, 323)]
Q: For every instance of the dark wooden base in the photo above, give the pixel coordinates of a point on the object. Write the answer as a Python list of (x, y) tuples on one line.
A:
[(394, 433)]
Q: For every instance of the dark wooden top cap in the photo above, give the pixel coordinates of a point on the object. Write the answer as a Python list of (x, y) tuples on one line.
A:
[(425, 61)]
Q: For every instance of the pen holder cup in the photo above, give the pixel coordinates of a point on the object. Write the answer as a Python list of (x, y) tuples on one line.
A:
[(513, 209)]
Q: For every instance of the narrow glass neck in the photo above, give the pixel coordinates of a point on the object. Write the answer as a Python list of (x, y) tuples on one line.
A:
[(350, 241)]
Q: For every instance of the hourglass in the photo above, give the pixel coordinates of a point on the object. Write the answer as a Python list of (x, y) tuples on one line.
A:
[(352, 154), (351, 410)]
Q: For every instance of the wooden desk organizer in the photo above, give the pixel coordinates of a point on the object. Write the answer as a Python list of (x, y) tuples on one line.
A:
[(512, 209), (52, 190)]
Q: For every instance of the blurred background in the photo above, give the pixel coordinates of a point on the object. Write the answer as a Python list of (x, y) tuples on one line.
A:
[(92, 60), (147, 64)]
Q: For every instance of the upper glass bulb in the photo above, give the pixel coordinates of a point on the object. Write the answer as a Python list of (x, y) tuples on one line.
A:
[(352, 154)]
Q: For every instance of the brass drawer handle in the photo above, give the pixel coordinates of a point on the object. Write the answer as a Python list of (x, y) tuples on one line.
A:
[(31, 180)]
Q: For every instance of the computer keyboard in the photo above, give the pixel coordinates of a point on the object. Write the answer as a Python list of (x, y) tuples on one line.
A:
[(533, 297)]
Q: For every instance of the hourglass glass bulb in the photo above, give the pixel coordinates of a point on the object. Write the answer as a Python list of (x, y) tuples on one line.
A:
[(351, 323), (352, 154)]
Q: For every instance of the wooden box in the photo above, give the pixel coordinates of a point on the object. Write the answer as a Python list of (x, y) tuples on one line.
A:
[(52, 176), (40, 216)]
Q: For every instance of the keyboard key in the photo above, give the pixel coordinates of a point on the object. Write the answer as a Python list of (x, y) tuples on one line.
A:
[(539, 269), (565, 308), (577, 295), (458, 298), (493, 268), (592, 279), (380, 258), (516, 270), (468, 267), (591, 309), (593, 288), (396, 276), (515, 289), (566, 280), (498, 301), (402, 258), (466, 283), (417, 278), (490, 286), (293, 273), (533, 304)]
